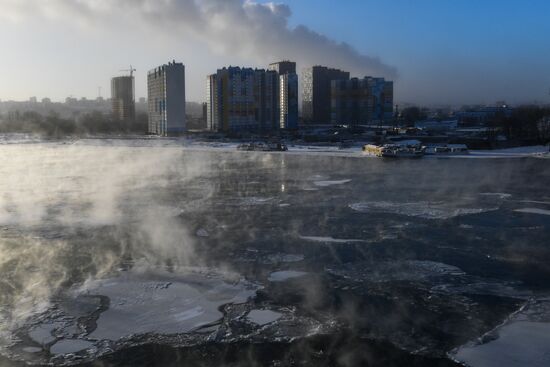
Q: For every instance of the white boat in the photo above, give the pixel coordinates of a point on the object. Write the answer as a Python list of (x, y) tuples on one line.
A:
[(447, 149), (263, 147), (399, 151)]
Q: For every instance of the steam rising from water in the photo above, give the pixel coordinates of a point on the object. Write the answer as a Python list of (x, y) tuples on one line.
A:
[(51, 194), (84, 222)]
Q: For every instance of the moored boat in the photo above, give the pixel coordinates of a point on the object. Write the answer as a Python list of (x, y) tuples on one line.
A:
[(447, 149), (397, 150), (372, 149), (263, 147)]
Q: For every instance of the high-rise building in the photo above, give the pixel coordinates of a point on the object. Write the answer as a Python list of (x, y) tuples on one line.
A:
[(316, 93), (288, 93), (267, 83), (204, 113), (122, 98), (242, 99), (166, 99), (361, 101), (288, 101), (283, 67), (212, 103)]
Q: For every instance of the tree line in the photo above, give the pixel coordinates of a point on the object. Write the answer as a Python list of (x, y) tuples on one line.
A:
[(55, 126), (523, 123)]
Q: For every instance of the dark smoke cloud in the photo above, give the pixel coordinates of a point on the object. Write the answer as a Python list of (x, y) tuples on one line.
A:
[(251, 30)]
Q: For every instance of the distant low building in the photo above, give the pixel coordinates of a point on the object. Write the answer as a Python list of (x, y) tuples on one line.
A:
[(437, 126), (361, 101), (166, 99), (71, 108), (482, 114)]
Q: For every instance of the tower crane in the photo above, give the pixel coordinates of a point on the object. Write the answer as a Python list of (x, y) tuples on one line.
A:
[(131, 70)]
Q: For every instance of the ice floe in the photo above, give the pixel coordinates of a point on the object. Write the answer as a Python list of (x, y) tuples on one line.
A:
[(42, 334), (331, 183), (166, 305), (202, 233), (534, 202), (266, 257), (281, 276), (412, 270), (522, 340), (500, 195), (533, 211), (423, 209), (283, 258), (519, 344), (263, 317), (66, 346), (329, 239), (254, 200), (32, 350)]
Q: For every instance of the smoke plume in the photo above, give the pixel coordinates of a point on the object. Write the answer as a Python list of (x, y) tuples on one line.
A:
[(258, 32)]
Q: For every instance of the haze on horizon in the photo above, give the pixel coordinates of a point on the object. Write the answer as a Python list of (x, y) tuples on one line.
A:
[(437, 52)]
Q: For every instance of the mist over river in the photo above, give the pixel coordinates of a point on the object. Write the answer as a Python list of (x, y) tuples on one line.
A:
[(125, 253)]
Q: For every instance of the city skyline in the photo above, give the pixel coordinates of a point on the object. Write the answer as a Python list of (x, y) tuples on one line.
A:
[(436, 52)]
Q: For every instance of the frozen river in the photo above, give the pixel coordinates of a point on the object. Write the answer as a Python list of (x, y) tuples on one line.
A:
[(134, 252)]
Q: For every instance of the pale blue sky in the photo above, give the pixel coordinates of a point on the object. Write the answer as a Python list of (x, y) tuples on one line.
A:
[(445, 51), (490, 49)]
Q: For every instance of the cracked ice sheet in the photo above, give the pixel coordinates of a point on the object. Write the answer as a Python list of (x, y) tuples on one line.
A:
[(163, 305)]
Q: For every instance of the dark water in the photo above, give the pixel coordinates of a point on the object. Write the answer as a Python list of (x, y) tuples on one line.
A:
[(363, 261)]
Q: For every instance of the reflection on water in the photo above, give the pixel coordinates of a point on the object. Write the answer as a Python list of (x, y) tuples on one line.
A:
[(327, 260)]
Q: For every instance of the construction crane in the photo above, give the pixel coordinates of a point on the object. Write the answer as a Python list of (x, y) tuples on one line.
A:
[(131, 70)]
